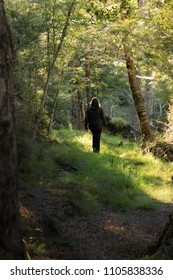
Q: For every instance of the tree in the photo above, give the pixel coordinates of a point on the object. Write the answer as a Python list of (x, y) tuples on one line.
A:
[(11, 246), (168, 135), (133, 81), (95, 45), (138, 98), (123, 14), (50, 71), (88, 82)]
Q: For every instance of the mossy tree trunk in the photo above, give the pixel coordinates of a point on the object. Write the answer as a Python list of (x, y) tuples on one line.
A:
[(11, 245), (137, 96)]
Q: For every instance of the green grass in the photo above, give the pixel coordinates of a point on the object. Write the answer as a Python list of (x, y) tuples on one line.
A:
[(120, 176)]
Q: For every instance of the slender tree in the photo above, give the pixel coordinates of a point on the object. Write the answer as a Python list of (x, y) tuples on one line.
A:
[(133, 80), (50, 71), (11, 246), (82, 111), (53, 111), (168, 135), (88, 79)]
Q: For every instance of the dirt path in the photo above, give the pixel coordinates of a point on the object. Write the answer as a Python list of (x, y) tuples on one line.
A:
[(48, 218)]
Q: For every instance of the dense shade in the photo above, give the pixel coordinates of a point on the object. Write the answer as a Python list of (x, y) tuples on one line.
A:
[(10, 239)]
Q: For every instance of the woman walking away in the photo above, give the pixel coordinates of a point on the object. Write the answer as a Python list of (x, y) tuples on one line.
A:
[(95, 120)]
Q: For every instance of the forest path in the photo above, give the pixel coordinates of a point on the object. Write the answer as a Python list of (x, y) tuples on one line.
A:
[(49, 219)]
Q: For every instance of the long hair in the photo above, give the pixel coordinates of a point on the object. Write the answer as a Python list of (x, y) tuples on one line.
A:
[(95, 103)]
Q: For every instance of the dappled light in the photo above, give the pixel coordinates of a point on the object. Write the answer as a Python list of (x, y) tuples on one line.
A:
[(72, 189), (86, 115)]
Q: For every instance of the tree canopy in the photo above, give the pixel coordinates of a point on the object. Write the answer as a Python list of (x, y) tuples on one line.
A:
[(69, 51)]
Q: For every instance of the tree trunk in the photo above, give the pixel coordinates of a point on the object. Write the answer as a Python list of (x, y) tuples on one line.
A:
[(88, 81), (11, 245), (140, 3), (149, 97), (141, 7), (163, 248), (75, 110), (50, 72), (53, 111), (137, 96), (82, 111)]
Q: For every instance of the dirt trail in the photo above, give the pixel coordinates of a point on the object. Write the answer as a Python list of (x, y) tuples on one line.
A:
[(105, 234)]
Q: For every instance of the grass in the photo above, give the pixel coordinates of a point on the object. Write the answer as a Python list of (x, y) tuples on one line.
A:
[(120, 176)]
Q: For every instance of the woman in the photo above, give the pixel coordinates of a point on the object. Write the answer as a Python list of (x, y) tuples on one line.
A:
[(95, 120)]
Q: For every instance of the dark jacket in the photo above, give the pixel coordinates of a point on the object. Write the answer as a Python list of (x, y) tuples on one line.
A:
[(94, 118)]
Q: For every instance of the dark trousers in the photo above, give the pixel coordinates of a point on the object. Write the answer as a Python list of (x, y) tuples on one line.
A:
[(96, 140)]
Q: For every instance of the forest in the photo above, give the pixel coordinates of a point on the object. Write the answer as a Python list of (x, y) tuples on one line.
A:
[(58, 200)]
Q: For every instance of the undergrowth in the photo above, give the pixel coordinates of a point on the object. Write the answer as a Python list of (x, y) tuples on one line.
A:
[(120, 176)]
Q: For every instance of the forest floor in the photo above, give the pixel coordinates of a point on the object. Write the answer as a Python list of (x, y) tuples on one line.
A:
[(52, 230), (76, 205)]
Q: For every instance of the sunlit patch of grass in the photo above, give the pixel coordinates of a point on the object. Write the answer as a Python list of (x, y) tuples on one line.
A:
[(121, 175), (163, 194)]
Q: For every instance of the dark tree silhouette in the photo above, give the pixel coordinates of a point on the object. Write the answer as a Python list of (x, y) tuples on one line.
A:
[(11, 245)]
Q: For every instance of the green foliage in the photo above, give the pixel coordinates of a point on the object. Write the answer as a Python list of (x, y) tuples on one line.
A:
[(118, 120), (96, 34), (62, 117)]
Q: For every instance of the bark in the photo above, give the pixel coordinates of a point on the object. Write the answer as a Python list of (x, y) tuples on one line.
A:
[(137, 96), (11, 245), (50, 72)]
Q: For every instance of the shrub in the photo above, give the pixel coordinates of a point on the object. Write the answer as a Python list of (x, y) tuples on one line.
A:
[(118, 125)]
